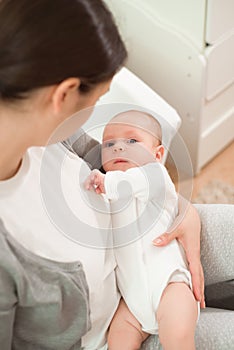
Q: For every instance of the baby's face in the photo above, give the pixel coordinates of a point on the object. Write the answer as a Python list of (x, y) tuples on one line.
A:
[(128, 143)]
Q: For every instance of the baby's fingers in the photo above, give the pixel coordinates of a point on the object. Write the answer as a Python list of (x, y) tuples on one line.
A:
[(90, 182), (87, 184)]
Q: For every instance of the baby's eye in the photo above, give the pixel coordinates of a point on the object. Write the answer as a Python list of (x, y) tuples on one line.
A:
[(131, 141), (108, 144)]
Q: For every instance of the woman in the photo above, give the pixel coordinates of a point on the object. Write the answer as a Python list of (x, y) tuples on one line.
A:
[(56, 58)]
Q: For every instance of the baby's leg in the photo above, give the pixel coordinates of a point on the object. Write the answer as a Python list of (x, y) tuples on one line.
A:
[(125, 331), (177, 317)]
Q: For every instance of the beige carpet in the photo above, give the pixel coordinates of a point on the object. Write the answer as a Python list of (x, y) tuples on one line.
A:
[(216, 191)]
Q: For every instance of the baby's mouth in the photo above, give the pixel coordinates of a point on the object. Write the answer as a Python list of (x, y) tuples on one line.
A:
[(120, 160)]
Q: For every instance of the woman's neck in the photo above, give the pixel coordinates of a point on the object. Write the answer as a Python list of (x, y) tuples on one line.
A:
[(13, 146), (10, 161)]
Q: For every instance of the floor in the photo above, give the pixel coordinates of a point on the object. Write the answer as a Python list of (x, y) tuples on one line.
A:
[(219, 168)]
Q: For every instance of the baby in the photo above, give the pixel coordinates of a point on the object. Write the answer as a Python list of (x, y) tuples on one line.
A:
[(155, 283)]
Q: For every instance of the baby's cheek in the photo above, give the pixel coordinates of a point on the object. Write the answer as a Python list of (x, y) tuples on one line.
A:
[(107, 157)]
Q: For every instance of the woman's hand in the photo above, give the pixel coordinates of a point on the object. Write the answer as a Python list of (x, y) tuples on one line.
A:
[(186, 229)]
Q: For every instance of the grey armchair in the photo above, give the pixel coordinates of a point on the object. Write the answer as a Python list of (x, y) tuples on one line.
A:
[(215, 329)]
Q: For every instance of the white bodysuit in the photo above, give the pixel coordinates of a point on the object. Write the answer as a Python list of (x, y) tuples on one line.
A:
[(144, 204)]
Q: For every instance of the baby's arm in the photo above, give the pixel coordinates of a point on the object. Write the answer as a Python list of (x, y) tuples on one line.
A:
[(108, 183), (146, 183), (141, 179), (95, 181)]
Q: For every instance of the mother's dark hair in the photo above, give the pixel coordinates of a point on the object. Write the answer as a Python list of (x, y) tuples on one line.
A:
[(43, 42)]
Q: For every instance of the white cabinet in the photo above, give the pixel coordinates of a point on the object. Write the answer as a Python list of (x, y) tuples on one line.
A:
[(184, 50), (219, 19)]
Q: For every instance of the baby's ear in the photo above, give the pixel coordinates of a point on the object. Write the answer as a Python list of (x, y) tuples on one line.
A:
[(159, 152)]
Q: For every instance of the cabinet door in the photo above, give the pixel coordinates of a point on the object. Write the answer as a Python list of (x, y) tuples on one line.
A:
[(220, 66), (220, 19)]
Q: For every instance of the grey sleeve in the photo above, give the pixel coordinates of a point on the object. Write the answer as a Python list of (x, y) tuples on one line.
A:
[(85, 147), (8, 302)]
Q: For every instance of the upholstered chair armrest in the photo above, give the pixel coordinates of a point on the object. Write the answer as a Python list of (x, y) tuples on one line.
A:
[(217, 241)]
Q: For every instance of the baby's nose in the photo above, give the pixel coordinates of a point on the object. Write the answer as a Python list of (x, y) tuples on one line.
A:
[(119, 147)]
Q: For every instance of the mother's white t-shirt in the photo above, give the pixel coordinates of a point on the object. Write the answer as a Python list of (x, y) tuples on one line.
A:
[(45, 208)]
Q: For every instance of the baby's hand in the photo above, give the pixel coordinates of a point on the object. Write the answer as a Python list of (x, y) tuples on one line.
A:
[(95, 181)]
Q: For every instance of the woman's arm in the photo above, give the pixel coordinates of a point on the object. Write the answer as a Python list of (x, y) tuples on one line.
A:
[(186, 229), (85, 147)]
